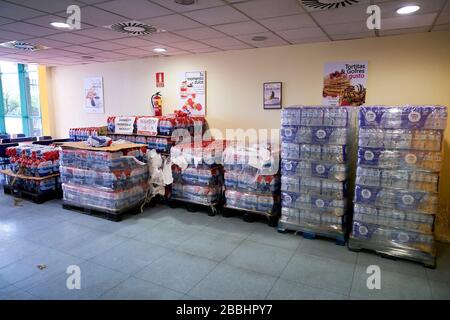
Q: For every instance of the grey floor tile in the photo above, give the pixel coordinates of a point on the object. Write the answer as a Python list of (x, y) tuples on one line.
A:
[(138, 289), (287, 290), (178, 271), (393, 286), (267, 235), (440, 290), (442, 271), (366, 259), (319, 272), (129, 228), (328, 249), (260, 258), (13, 293), (14, 249), (25, 272), (188, 297), (228, 282), (95, 281), (90, 244), (210, 245), (167, 235), (234, 227), (130, 256), (89, 221)]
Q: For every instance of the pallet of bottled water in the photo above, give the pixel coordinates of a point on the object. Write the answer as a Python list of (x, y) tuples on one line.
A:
[(397, 181), (315, 170)]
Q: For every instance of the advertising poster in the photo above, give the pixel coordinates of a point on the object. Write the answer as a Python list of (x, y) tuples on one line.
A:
[(193, 92), (272, 95), (344, 83), (124, 125), (93, 95)]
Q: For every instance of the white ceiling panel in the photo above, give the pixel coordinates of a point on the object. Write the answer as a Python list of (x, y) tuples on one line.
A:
[(188, 45), (98, 17), (135, 9), (164, 38), (205, 50), (310, 40), (131, 42), (341, 15), (106, 45), (176, 53), (81, 49), (109, 55), (260, 9), (239, 28), (300, 34), (223, 42), (388, 9), (5, 21), (28, 29), (199, 4), (442, 27), (218, 15), (350, 36), (172, 22), (134, 52), (272, 39), (288, 22), (72, 38), (346, 28), (394, 32), (444, 17), (200, 33), (50, 6), (44, 21), (424, 20), (101, 33), (12, 11), (11, 36), (48, 42)]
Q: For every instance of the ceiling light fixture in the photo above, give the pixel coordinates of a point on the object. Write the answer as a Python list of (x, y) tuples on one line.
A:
[(21, 45), (185, 2), (408, 9), (159, 50), (60, 25)]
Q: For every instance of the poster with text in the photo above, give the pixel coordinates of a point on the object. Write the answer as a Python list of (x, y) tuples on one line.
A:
[(193, 92), (344, 83), (93, 95)]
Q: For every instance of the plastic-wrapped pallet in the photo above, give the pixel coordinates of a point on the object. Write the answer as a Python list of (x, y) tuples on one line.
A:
[(108, 181), (252, 179), (397, 180), (315, 170), (197, 172)]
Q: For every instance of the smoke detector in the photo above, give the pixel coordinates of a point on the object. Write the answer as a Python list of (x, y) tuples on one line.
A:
[(259, 38), (25, 46), (185, 2), (134, 28), (328, 4)]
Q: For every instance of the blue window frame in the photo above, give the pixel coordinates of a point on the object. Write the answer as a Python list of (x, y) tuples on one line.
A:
[(19, 99)]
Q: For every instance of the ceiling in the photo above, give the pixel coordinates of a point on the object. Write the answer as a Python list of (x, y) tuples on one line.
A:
[(206, 26)]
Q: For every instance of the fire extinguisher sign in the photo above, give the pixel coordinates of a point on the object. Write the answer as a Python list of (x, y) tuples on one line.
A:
[(160, 79)]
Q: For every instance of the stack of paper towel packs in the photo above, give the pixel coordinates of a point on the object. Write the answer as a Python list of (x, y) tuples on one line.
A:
[(397, 180), (314, 168)]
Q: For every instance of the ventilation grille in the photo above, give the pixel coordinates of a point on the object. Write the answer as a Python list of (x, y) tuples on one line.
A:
[(328, 4), (24, 46), (134, 28)]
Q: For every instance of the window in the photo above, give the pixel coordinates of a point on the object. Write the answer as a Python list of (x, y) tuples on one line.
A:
[(20, 111)]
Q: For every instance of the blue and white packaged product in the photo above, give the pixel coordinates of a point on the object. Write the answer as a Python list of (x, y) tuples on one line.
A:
[(397, 180)]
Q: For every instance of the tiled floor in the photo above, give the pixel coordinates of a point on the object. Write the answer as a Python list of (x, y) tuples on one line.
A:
[(173, 254)]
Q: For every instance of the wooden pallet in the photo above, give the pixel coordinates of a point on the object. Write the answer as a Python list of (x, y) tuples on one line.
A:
[(311, 234), (251, 215), (194, 206), (115, 216), (37, 198), (426, 259)]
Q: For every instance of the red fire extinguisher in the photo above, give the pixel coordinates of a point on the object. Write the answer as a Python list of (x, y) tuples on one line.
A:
[(157, 103)]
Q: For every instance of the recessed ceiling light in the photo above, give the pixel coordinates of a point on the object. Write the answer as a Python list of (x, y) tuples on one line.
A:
[(259, 38), (60, 25), (21, 45), (159, 50), (185, 2), (408, 9)]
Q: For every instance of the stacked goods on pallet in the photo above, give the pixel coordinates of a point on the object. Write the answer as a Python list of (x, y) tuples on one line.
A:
[(103, 180), (82, 134), (34, 161), (252, 179), (155, 131), (314, 169), (397, 180), (197, 172)]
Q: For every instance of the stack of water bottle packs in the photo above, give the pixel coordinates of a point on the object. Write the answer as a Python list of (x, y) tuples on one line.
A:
[(200, 178), (252, 178), (103, 180), (397, 179), (314, 169), (34, 161)]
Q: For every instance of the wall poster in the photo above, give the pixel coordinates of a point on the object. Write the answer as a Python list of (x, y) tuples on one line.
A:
[(193, 92), (93, 95)]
